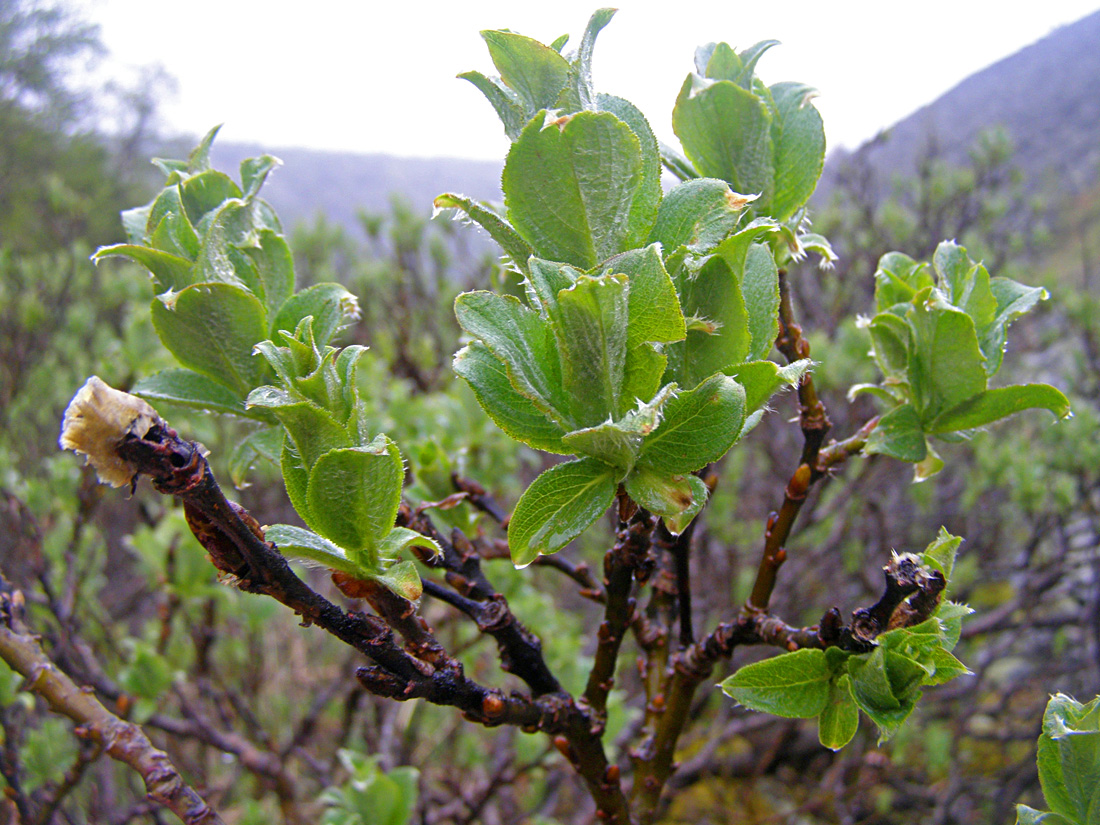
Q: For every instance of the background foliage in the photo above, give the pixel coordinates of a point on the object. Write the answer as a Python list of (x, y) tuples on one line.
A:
[(127, 604)]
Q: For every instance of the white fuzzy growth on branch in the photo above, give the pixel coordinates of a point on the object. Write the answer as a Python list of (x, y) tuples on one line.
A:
[(96, 421)]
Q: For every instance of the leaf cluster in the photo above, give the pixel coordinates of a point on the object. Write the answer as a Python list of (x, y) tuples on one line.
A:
[(938, 336), (834, 684), (638, 344)]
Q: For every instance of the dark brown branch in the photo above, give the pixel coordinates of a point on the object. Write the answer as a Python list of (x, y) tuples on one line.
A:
[(520, 649), (628, 560)]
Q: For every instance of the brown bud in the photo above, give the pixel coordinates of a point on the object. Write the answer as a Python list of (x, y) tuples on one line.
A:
[(564, 748), (611, 775), (492, 706)]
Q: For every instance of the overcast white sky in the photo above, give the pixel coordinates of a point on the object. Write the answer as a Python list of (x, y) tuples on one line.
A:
[(380, 77)]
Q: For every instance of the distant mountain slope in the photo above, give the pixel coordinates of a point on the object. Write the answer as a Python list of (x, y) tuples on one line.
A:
[(1047, 96), (339, 184)]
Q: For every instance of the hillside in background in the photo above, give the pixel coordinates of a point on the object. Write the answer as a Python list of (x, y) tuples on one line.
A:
[(1046, 97), (339, 184)]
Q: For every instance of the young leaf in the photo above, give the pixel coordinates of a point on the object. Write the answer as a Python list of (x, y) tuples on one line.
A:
[(190, 389), (839, 719), (353, 497), (558, 506), (331, 306), (170, 272), (511, 110), (993, 405), (698, 427), (762, 379), (513, 412), (940, 555), (666, 495), (570, 186), (653, 306), (536, 72), (798, 136), (404, 580), (590, 333), (647, 200), (946, 366), (899, 435), (514, 246), (698, 214), (522, 340), (726, 132), (305, 545), (760, 288), (578, 93), (794, 685), (212, 328)]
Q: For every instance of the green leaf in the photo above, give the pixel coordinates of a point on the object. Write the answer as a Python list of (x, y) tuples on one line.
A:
[(178, 386), (899, 435), (951, 615), (591, 336), (511, 110), (698, 427), (254, 172), (965, 282), (399, 538), (1052, 779), (666, 495), (558, 506), (946, 366), (205, 192), (798, 136), (403, 579), (331, 306), (536, 72), (993, 405), (726, 132), (940, 555), (168, 271), (313, 430), (676, 523), (714, 296), (654, 308), (762, 379), (884, 688), (578, 93), (522, 340), (305, 545), (212, 328), (274, 269), (793, 685), (839, 719), (898, 279), (1013, 300), (296, 480), (618, 443), (647, 200), (698, 214), (510, 410), (890, 338), (510, 241), (947, 667), (760, 288), (1030, 816), (353, 497), (570, 186)]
